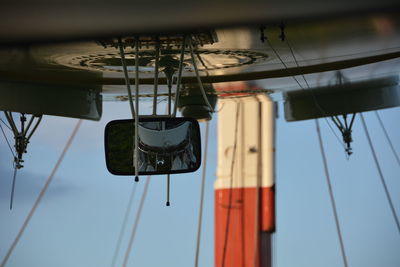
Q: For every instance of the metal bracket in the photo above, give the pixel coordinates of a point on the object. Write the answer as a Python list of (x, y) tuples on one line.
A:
[(21, 137), (346, 129)]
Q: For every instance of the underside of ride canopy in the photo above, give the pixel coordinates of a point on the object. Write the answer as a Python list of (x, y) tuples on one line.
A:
[(72, 79)]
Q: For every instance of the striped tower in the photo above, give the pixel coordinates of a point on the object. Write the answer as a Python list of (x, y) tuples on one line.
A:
[(244, 189)]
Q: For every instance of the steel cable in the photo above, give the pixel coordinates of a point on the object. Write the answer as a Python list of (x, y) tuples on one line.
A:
[(230, 188), (41, 194), (388, 138), (203, 178), (203, 92), (13, 187), (126, 76), (136, 223), (123, 227), (314, 97), (378, 167), (332, 197), (5, 124), (301, 87), (8, 143)]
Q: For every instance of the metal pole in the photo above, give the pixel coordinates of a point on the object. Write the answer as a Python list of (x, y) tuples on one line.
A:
[(156, 76), (178, 85), (128, 87), (137, 109)]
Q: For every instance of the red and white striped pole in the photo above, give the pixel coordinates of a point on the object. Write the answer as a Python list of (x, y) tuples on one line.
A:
[(244, 189)]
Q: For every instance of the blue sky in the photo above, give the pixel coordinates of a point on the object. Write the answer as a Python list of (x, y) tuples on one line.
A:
[(79, 220)]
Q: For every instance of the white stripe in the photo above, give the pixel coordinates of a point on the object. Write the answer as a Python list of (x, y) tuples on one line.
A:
[(255, 138)]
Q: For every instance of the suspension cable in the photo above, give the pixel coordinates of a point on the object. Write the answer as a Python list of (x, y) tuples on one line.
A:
[(301, 87), (41, 194), (136, 223), (312, 94), (137, 109), (126, 75), (333, 203), (8, 143), (13, 186), (5, 124), (156, 71), (257, 229), (283, 63), (203, 178), (203, 92), (178, 85), (230, 188), (332, 197), (378, 167), (256, 224), (169, 111), (123, 227), (295, 60), (388, 138), (21, 143), (34, 127), (24, 132), (10, 121)]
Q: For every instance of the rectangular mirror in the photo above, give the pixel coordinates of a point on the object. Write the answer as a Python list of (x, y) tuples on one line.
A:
[(166, 146)]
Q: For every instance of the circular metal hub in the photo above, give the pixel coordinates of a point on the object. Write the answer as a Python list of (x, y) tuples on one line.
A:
[(207, 60)]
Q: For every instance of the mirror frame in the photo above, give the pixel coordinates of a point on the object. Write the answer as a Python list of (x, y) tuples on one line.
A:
[(195, 124)]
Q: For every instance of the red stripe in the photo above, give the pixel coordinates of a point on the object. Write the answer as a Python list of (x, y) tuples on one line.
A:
[(268, 209), (241, 240)]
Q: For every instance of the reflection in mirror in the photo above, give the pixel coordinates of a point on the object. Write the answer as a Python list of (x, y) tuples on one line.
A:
[(166, 146)]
